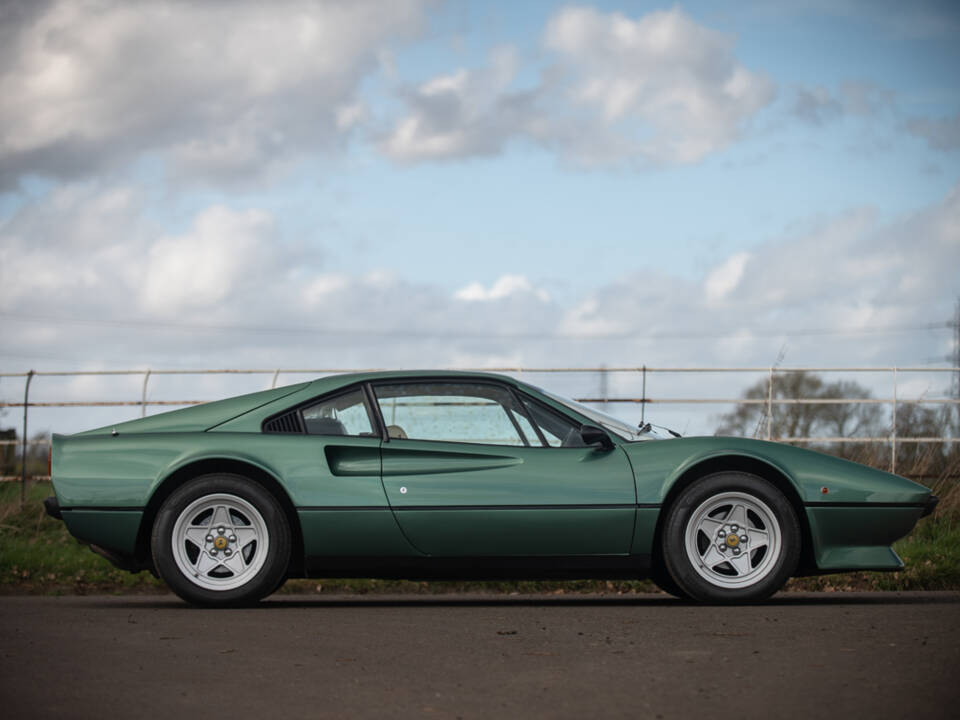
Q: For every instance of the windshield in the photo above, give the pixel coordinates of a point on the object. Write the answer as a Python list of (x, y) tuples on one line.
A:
[(608, 422)]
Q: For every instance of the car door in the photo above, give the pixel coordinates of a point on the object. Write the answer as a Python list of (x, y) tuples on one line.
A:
[(467, 471), (342, 507)]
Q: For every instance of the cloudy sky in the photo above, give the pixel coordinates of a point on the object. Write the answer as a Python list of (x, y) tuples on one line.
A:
[(411, 183)]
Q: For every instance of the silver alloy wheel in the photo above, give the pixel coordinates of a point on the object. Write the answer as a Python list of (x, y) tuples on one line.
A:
[(220, 542), (733, 540)]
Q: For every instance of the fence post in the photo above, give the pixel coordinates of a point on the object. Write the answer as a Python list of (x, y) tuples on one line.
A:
[(643, 398), (603, 385), (770, 404), (893, 438), (143, 394), (23, 469), (273, 383)]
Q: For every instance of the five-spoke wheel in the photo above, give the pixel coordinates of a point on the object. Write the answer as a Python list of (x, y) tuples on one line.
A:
[(730, 537), (221, 540)]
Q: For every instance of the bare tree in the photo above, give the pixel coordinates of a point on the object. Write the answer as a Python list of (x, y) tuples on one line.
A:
[(797, 420), (849, 420)]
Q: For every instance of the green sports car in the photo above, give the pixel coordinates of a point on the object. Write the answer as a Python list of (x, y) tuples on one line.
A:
[(462, 475)]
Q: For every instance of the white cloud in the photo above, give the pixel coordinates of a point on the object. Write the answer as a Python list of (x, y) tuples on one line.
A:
[(89, 252), (227, 291), (207, 264), (940, 133), (465, 113), (739, 344), (818, 105), (505, 286), (659, 89), (723, 279), (597, 315), (677, 80), (228, 88), (349, 116), (56, 252), (840, 274), (323, 286)]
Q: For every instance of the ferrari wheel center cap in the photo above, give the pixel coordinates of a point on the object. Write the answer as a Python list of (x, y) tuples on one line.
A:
[(733, 540), (220, 543)]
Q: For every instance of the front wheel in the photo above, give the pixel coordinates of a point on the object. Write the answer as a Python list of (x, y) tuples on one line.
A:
[(221, 540), (731, 537)]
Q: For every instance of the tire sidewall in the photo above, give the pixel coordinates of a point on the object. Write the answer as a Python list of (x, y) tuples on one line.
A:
[(678, 563), (274, 569)]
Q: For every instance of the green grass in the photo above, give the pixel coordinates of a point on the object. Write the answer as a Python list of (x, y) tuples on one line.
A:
[(38, 556)]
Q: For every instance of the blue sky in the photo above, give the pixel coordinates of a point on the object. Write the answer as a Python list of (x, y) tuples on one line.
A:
[(681, 218), (414, 183)]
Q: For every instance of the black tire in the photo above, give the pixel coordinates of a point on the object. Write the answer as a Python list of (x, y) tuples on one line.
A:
[(661, 578), (256, 537), (772, 547), (280, 584)]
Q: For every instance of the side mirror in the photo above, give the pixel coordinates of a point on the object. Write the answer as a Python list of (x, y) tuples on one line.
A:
[(592, 435)]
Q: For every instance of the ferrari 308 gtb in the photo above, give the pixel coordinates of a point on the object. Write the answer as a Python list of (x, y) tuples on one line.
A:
[(462, 475)]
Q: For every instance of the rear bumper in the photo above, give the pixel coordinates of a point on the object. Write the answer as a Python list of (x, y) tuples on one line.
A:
[(93, 528), (52, 506)]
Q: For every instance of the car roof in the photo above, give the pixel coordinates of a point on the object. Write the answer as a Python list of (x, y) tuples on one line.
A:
[(332, 383), (374, 375)]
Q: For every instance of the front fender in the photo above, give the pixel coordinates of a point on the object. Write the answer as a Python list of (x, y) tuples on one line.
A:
[(658, 465)]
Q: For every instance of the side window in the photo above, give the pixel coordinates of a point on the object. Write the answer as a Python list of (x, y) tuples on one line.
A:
[(454, 412), (525, 427), (557, 430), (340, 415)]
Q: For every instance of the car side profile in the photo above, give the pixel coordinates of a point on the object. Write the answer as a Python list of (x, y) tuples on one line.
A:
[(431, 474)]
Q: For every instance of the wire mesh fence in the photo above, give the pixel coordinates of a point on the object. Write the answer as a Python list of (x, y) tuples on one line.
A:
[(631, 389)]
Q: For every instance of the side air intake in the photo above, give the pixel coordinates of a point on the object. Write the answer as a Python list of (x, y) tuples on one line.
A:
[(290, 422)]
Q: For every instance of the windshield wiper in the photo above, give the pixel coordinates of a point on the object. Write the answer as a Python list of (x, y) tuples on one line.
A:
[(646, 427)]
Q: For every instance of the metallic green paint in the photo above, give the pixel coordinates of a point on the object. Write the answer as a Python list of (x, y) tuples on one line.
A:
[(358, 533), (408, 498), (447, 477), (354, 460), (846, 538), (658, 465), (644, 530), (200, 417), (522, 532), (112, 529), (405, 458)]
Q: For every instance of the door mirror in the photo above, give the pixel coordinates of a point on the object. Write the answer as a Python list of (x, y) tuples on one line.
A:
[(592, 435)]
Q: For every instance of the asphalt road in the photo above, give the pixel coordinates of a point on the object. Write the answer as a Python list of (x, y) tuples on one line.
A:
[(799, 656)]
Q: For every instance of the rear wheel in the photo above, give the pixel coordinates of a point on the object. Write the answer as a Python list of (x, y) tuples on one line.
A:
[(221, 540), (731, 537)]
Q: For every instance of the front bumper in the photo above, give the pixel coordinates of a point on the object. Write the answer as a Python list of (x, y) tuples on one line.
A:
[(859, 537)]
